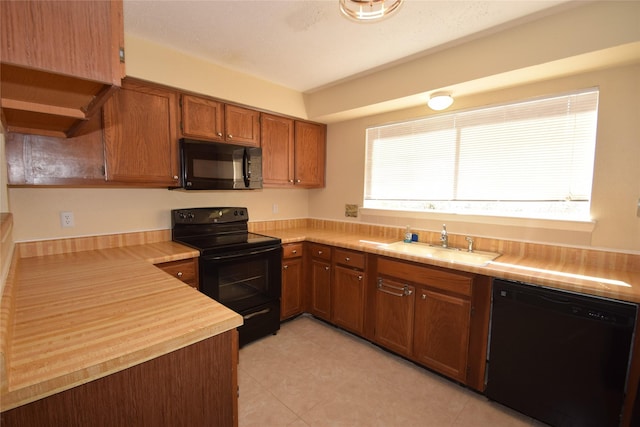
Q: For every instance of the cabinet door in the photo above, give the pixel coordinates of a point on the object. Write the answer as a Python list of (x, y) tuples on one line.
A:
[(394, 315), (202, 118), (277, 150), (442, 333), (320, 303), (348, 299), (291, 300), (140, 136), (60, 63), (80, 38), (242, 126), (309, 155)]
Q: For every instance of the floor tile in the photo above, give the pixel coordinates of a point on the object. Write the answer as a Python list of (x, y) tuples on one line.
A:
[(314, 375)]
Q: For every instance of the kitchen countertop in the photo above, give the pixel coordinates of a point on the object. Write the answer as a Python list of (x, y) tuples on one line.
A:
[(80, 316), (586, 276), (75, 317)]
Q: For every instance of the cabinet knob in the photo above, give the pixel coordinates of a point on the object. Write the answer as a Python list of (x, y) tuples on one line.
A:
[(360, 277), (319, 252), (179, 274), (219, 134), (291, 181), (423, 296), (294, 251), (285, 267), (347, 259), (326, 268), (175, 177), (229, 136), (298, 181)]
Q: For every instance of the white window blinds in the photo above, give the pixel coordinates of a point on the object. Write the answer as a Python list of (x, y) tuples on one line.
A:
[(532, 158)]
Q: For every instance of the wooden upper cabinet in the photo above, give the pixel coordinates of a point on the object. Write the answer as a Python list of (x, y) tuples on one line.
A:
[(293, 152), (204, 118), (140, 136), (242, 125), (310, 151), (61, 60), (277, 144)]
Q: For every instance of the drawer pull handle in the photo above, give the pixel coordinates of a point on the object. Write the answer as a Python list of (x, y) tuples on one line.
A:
[(403, 291), (257, 313)]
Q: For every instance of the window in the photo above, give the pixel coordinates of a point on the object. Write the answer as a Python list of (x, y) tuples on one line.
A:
[(527, 159)]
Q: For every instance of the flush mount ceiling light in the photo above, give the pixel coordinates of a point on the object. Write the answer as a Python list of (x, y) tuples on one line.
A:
[(368, 10), (440, 101)]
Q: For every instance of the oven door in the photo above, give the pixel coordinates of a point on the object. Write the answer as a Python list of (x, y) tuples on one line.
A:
[(243, 280)]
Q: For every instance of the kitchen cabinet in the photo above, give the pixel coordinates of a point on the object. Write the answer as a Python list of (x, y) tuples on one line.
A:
[(194, 385), (433, 328), (277, 142), (140, 136), (185, 270), (205, 118), (60, 62), (395, 305), (348, 290), (320, 281), (48, 160), (309, 154), (292, 297), (441, 336), (294, 153)]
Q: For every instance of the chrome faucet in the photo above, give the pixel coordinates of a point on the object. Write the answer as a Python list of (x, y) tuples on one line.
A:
[(444, 237), (470, 242)]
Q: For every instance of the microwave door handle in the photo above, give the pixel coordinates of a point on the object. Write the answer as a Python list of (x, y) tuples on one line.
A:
[(246, 171)]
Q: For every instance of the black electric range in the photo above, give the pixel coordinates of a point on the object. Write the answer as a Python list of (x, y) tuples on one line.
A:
[(239, 269)]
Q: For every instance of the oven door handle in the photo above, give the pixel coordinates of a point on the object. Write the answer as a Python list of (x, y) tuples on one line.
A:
[(243, 254)]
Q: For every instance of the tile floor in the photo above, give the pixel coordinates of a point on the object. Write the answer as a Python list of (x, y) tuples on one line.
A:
[(311, 374)]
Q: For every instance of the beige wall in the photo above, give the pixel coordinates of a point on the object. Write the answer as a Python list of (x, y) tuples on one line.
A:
[(616, 187), (617, 175)]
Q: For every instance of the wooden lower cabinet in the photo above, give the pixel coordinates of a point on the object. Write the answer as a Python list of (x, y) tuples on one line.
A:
[(194, 386), (292, 295), (394, 316), (441, 335), (320, 281), (348, 299), (185, 270)]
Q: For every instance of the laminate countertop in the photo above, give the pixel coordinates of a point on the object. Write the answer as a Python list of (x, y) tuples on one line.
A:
[(606, 274), (76, 317)]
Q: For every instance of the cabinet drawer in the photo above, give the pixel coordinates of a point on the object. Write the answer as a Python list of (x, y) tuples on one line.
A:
[(320, 251), (292, 250), (349, 258), (185, 270), (459, 283)]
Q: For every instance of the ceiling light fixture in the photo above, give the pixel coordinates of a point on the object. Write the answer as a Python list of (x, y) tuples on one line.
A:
[(368, 10), (440, 101)]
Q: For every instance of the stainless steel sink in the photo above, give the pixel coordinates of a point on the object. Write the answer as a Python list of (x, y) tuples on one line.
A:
[(424, 250)]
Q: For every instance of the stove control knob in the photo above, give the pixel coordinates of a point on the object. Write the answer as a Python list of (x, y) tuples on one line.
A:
[(220, 213)]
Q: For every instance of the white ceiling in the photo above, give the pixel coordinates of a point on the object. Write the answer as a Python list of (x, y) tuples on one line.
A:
[(306, 45)]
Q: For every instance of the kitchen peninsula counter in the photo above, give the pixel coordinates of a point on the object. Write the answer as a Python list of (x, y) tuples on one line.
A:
[(599, 273), (68, 319)]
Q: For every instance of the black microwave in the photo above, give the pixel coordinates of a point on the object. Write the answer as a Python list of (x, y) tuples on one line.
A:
[(209, 165)]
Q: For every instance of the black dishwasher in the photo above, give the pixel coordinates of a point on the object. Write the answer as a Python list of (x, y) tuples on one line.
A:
[(559, 357)]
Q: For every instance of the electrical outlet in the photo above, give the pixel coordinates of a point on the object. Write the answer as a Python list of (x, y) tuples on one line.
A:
[(66, 219), (274, 208)]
